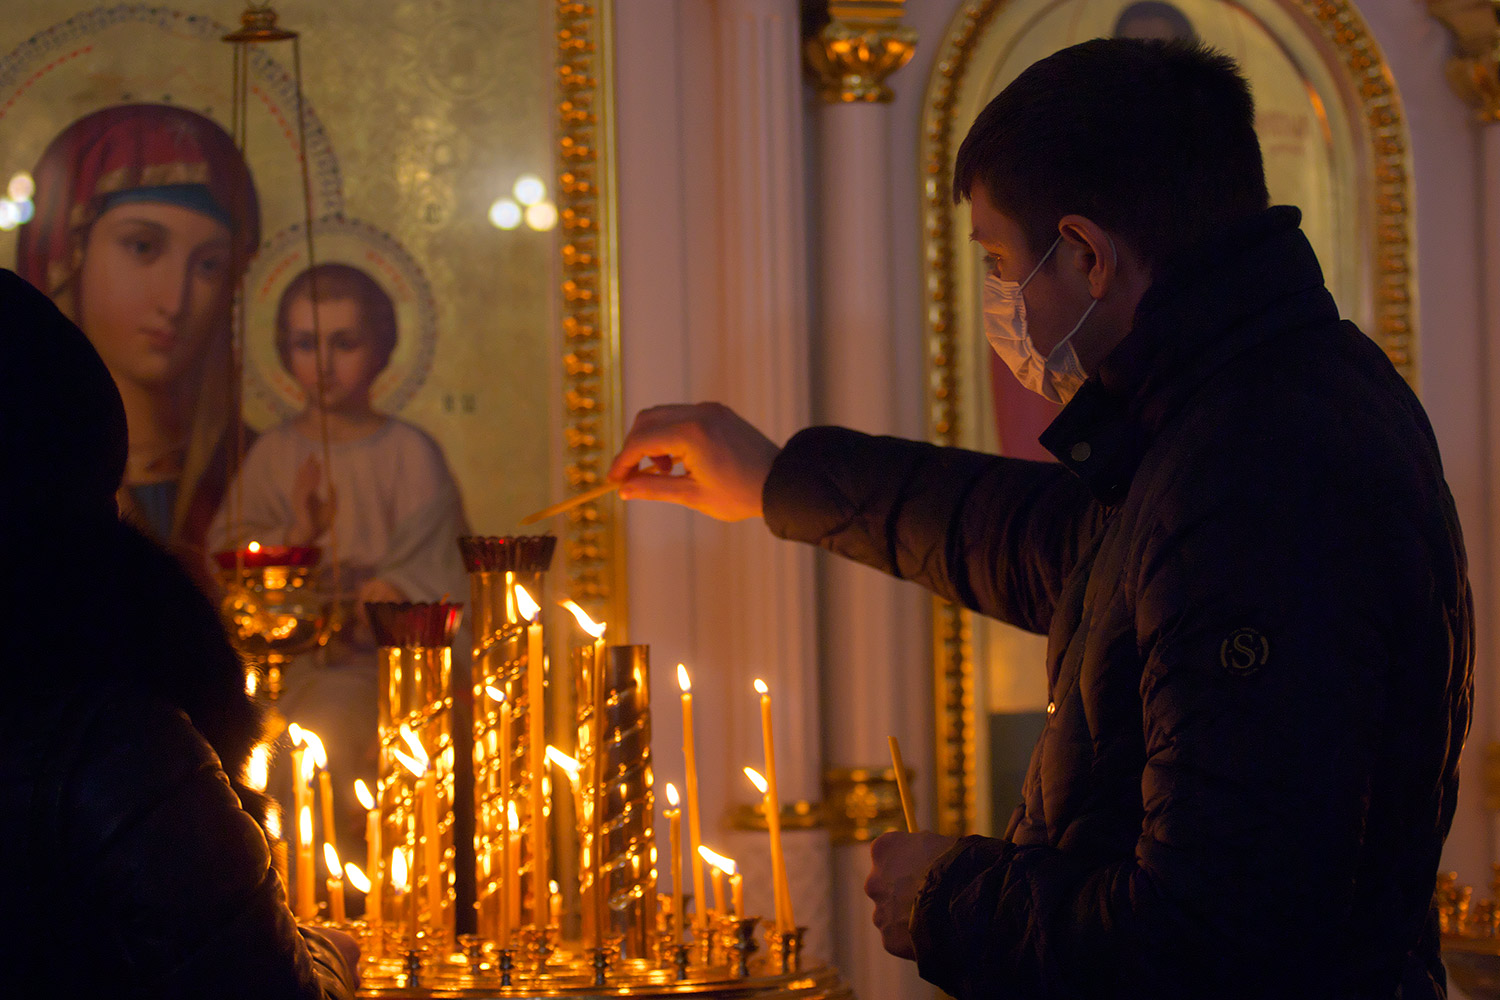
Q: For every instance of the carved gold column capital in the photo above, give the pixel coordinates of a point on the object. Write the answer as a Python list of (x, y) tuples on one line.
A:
[(862, 44), (1474, 70)]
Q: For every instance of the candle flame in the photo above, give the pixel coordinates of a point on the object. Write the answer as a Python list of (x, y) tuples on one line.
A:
[(252, 680), (529, 608), (331, 859), (362, 792), (570, 766), (416, 767), (417, 750), (258, 767), (757, 780), (495, 693), (672, 798), (253, 547), (719, 861), (398, 869), (510, 814), (552, 886), (356, 877), (593, 628), (316, 756), (304, 825), (273, 821), (760, 686), (682, 678)]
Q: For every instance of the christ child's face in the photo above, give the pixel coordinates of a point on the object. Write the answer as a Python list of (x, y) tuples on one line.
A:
[(350, 358), (154, 285)]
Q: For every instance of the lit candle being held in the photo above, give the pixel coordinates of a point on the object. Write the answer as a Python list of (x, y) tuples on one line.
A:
[(336, 911), (690, 758), (674, 837), (372, 854), (785, 921), (536, 680)]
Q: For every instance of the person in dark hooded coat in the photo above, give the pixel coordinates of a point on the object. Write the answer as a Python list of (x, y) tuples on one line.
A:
[(137, 862)]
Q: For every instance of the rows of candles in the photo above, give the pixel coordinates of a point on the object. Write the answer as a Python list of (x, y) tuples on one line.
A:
[(409, 876)]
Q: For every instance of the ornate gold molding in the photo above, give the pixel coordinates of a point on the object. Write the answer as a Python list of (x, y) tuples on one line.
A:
[(1474, 69), (862, 45), (799, 815), (593, 543), (1353, 51), (861, 803)]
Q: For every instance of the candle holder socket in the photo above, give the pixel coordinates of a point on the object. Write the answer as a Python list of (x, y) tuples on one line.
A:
[(679, 953), (744, 944), (506, 962), (412, 967), (786, 946), (601, 964)]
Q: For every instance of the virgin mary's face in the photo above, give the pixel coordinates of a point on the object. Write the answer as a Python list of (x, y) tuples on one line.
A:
[(155, 282)]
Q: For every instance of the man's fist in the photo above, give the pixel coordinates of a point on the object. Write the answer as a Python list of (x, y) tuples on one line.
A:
[(899, 863)]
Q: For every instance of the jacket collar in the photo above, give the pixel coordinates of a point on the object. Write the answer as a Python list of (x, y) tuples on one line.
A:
[(1248, 282)]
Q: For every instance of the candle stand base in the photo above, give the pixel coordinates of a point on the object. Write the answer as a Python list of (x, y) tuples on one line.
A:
[(628, 978)]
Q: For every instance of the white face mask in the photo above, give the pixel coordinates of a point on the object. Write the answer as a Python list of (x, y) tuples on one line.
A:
[(1055, 376)]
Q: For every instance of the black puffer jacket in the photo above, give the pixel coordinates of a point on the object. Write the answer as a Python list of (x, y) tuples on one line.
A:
[(1260, 633), (133, 868)]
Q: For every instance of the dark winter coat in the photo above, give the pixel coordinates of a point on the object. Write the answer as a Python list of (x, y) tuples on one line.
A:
[(1259, 664), (132, 866)]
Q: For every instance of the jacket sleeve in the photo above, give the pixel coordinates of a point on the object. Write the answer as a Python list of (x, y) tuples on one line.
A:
[(1303, 647), (176, 875), (996, 535)]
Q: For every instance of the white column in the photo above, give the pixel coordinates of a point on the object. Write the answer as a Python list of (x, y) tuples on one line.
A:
[(874, 632), (757, 596)]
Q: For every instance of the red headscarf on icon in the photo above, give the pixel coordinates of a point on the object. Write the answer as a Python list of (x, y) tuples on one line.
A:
[(151, 153)]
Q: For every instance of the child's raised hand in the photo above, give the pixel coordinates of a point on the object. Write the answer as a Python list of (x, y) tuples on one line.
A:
[(311, 514)]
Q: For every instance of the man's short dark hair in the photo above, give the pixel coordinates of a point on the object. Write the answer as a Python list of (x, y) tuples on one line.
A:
[(1153, 140)]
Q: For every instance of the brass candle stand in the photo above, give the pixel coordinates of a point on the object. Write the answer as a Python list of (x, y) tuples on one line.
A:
[(525, 945), (1470, 934)]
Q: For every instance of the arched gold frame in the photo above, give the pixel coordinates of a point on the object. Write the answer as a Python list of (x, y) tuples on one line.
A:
[(1350, 51), (593, 542)]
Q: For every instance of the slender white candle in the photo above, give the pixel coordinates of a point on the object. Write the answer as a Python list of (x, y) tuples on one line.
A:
[(786, 922), (536, 724), (695, 823)]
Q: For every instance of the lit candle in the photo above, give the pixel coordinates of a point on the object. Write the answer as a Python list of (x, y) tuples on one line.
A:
[(766, 808), (554, 903), (428, 834), (674, 837), (716, 866), (598, 915), (537, 716), (513, 864), (785, 921), (357, 878), (336, 910), (301, 797), (690, 756), (307, 894), (372, 855)]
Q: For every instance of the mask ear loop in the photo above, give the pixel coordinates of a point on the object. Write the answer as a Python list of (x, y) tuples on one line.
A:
[(1087, 312)]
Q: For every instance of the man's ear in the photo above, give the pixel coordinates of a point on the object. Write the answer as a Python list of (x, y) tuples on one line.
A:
[(1092, 252)]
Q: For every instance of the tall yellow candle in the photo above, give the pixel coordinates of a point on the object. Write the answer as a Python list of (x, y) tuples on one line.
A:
[(431, 846), (537, 727), (513, 865), (737, 893), (674, 837), (785, 920), (596, 915), (695, 823), (325, 799), (307, 893)]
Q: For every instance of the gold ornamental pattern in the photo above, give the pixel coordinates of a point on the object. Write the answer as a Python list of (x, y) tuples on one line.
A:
[(589, 304), (1351, 51)]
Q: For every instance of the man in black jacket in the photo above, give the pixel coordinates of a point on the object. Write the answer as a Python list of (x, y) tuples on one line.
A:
[(1246, 560)]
